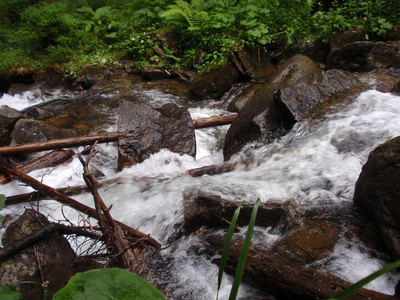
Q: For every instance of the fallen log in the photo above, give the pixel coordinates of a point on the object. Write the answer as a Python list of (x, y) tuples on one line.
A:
[(214, 121), (70, 202), (51, 159), (284, 277), (101, 138)]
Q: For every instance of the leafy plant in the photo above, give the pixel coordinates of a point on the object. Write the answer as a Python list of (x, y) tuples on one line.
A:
[(8, 294), (245, 250), (2, 204), (190, 16), (108, 284)]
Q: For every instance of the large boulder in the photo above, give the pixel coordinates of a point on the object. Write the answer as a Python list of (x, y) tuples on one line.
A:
[(263, 117), (364, 56), (377, 193), (88, 77), (145, 130), (214, 84), (31, 131), (47, 264), (8, 118)]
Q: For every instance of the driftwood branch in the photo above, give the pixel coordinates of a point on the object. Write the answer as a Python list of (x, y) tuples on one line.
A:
[(21, 244), (69, 201), (112, 231), (100, 138), (51, 159)]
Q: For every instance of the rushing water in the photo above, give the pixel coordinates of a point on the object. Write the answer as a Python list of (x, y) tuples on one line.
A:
[(317, 164)]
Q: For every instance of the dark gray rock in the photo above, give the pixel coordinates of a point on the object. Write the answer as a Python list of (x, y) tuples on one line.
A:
[(396, 89), (147, 131), (54, 254), (88, 77), (340, 39), (364, 56), (377, 193), (8, 118), (149, 73), (30, 131), (394, 33), (264, 117), (214, 84)]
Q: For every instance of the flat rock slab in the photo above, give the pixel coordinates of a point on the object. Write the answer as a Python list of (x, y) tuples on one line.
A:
[(145, 131)]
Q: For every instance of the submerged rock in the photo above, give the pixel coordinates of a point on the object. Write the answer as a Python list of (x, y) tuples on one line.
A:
[(377, 193), (147, 130)]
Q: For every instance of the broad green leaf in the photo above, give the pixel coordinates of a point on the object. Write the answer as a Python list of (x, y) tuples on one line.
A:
[(105, 284), (7, 294)]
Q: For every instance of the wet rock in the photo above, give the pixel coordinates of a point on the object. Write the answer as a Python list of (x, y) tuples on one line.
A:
[(18, 88), (264, 117), (50, 82), (29, 131), (317, 51), (241, 100), (377, 193), (49, 260), (396, 89), (340, 39), (148, 130), (253, 63), (364, 56), (88, 77), (311, 241), (214, 84), (394, 33), (8, 118), (149, 73), (302, 99), (214, 210), (377, 81), (39, 113)]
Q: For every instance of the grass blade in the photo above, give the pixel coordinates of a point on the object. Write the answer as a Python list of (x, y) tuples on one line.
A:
[(228, 239), (358, 285), (243, 254)]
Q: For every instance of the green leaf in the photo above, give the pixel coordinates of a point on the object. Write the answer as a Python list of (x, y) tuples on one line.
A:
[(243, 254), (2, 204), (104, 284), (228, 240), (7, 294), (358, 285)]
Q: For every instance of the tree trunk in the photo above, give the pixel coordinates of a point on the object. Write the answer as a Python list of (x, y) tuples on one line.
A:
[(284, 277), (214, 121)]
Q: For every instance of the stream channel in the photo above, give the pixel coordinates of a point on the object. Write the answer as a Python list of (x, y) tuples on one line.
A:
[(317, 163)]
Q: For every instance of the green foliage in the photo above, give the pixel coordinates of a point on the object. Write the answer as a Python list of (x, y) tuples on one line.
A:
[(7, 294), (183, 15), (245, 250), (2, 204), (108, 284)]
